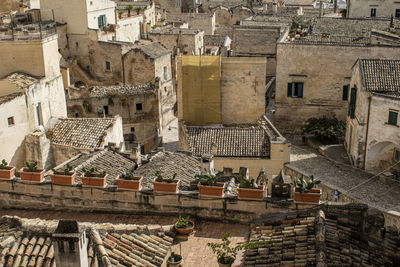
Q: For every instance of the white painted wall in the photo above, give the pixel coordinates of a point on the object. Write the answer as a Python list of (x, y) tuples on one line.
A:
[(128, 29)]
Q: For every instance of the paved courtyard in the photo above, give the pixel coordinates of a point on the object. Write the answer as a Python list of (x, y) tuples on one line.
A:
[(171, 137)]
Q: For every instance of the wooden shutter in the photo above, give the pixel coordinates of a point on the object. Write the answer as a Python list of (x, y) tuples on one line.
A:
[(289, 89), (300, 90), (345, 95), (100, 22), (353, 98), (393, 117)]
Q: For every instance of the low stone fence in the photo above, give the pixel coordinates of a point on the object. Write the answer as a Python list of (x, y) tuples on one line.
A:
[(46, 196)]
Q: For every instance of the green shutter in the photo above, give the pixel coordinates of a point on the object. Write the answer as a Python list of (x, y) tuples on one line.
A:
[(393, 117), (352, 107), (300, 90), (289, 89), (100, 22), (345, 95)]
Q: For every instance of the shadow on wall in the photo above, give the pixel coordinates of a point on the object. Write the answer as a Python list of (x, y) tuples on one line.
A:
[(380, 156), (18, 160)]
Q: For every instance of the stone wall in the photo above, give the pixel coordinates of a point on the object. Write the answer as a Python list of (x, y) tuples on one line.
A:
[(128, 29), (362, 8), (69, 198), (323, 69)]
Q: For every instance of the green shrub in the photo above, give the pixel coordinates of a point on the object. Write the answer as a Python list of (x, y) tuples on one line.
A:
[(325, 128)]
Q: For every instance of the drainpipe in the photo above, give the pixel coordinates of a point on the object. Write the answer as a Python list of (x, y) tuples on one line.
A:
[(123, 70), (366, 131)]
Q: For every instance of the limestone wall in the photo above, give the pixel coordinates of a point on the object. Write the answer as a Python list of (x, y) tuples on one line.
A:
[(128, 29), (362, 8)]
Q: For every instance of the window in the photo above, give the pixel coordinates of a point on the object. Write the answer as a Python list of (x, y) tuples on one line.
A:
[(396, 155), (108, 66), (102, 21), (139, 107), (295, 90), (165, 73), (393, 115), (397, 13), (71, 245), (373, 12), (132, 129), (352, 106), (39, 114), (105, 108), (10, 121), (178, 3), (345, 95), (76, 115), (61, 246)]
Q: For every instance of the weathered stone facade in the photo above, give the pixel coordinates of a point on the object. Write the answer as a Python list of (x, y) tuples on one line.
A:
[(362, 8)]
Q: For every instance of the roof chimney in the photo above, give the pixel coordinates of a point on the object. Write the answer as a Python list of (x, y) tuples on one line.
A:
[(207, 162)]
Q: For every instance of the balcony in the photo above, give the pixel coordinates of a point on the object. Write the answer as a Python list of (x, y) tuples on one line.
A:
[(22, 32)]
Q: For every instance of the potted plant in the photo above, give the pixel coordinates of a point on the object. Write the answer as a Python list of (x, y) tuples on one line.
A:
[(31, 173), (304, 191), (226, 254), (129, 8), (66, 177), (120, 14), (162, 185), (184, 226), (175, 259), (6, 172), (129, 182), (91, 177), (209, 185), (248, 189), (138, 9)]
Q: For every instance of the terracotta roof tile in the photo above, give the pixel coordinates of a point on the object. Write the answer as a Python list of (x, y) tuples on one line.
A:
[(229, 141), (80, 132)]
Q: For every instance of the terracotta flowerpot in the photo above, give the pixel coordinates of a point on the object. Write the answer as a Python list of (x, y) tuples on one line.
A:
[(164, 187), (94, 181), (178, 263), (61, 179), (35, 177), (134, 185), (311, 197), (251, 193), (226, 264), (185, 231), (7, 173), (212, 191)]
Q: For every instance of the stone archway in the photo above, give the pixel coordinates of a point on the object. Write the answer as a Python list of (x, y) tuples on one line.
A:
[(380, 156)]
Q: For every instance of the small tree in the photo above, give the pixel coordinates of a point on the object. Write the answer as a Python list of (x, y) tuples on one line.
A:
[(129, 8), (325, 128), (226, 254)]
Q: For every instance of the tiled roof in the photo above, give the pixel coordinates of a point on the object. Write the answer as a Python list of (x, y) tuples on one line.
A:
[(112, 162), (171, 30), (31, 243), (21, 80), (115, 90), (80, 132), (229, 141), (153, 50), (184, 165), (381, 75)]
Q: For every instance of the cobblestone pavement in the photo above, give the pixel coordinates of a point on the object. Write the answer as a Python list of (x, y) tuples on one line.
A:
[(194, 249), (356, 183), (170, 136)]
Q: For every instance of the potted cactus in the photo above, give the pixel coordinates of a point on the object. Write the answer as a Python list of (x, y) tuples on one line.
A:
[(93, 178), (169, 185), (65, 177), (304, 191), (6, 172), (31, 173), (209, 185), (175, 259), (184, 226), (129, 182), (248, 189), (129, 8)]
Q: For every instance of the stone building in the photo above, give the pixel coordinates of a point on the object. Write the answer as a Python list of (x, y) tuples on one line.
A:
[(145, 110), (371, 8), (372, 132), (217, 45), (210, 87), (200, 21), (312, 70), (42, 243), (147, 12), (186, 41)]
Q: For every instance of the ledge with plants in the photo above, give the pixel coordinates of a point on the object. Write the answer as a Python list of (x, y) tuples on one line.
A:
[(162, 185), (209, 185), (31, 173), (6, 172), (248, 189), (304, 191), (65, 177), (128, 181), (184, 226), (93, 178), (226, 254)]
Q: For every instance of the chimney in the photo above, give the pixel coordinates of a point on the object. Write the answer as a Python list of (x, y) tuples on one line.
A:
[(70, 245), (262, 177), (334, 6), (320, 8), (207, 163), (244, 172), (275, 7)]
